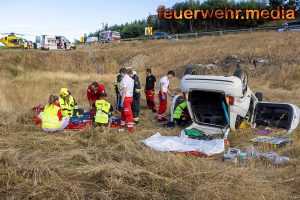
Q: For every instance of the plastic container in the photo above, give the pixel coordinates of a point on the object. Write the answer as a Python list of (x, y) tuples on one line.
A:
[(242, 158)]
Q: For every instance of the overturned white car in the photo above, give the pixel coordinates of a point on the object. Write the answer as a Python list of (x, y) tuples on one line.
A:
[(217, 103)]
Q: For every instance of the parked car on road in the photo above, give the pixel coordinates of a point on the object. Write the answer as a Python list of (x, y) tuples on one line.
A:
[(290, 26), (161, 35)]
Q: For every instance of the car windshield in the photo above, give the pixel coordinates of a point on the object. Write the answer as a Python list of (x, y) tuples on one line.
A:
[(116, 33)]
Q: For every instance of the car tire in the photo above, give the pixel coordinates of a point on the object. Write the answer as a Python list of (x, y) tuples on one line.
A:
[(259, 96), (244, 78), (190, 71)]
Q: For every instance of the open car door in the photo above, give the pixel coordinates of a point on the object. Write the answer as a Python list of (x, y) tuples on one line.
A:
[(279, 115)]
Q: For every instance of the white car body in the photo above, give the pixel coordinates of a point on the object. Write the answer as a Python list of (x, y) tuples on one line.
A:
[(244, 105)]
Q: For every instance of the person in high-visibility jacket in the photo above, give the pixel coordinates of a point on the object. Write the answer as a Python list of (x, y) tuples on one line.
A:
[(179, 115), (179, 112), (25, 45), (67, 103), (104, 110), (135, 106), (52, 119)]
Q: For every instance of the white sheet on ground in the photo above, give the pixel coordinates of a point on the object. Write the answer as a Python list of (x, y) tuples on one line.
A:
[(183, 144)]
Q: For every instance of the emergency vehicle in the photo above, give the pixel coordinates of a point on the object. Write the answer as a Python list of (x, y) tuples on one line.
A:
[(110, 36), (48, 42)]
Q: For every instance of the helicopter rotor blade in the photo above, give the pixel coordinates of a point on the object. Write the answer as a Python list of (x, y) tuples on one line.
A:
[(14, 34)]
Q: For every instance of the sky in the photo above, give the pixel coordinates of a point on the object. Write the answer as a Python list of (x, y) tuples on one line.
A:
[(72, 18)]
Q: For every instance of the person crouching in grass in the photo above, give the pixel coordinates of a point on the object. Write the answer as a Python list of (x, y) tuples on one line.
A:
[(52, 119), (104, 111)]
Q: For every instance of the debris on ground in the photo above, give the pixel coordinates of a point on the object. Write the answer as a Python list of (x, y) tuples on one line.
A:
[(245, 124), (229, 63), (235, 60), (235, 156), (276, 142), (196, 134), (270, 156), (263, 132)]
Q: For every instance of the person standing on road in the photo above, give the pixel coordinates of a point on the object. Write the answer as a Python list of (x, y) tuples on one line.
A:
[(127, 85), (150, 90), (163, 96), (65, 45), (135, 106)]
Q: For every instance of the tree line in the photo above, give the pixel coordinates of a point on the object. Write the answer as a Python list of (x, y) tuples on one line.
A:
[(137, 28)]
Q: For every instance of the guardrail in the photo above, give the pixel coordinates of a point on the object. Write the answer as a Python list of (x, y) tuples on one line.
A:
[(218, 32)]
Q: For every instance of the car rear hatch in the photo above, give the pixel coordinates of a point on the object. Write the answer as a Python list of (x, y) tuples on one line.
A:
[(206, 99), (207, 111)]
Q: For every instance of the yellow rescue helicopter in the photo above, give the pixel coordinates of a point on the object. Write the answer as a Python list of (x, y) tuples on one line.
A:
[(11, 40)]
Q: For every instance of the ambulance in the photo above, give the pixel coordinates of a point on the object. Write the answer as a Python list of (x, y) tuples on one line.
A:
[(50, 42)]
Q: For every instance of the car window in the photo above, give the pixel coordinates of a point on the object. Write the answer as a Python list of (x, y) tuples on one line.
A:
[(116, 33), (53, 41)]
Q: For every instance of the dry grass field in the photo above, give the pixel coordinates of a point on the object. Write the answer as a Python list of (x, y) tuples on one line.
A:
[(110, 165)]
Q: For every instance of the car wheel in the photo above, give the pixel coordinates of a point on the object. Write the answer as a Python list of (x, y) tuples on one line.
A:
[(244, 78), (190, 71), (259, 96)]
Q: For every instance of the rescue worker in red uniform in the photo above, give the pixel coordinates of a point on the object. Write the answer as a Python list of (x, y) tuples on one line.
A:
[(127, 85), (150, 90), (163, 96), (135, 106), (94, 92)]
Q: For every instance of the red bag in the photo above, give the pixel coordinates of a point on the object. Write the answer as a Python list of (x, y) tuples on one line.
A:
[(80, 126)]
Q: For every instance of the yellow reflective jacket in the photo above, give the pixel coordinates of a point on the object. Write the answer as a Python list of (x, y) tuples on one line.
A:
[(103, 108), (50, 119), (179, 110), (67, 108)]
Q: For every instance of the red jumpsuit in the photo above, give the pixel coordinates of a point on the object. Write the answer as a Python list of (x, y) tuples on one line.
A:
[(92, 96), (126, 114), (150, 99), (161, 114)]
